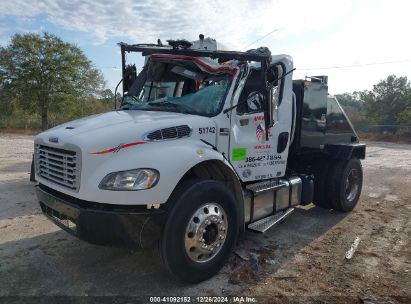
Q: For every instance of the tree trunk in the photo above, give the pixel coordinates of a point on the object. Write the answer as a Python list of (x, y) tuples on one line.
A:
[(44, 118)]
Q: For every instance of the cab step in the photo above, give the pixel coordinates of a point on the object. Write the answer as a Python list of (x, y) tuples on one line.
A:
[(265, 186), (267, 222)]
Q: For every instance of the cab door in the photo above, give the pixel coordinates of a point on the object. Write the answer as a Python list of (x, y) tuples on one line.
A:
[(252, 155)]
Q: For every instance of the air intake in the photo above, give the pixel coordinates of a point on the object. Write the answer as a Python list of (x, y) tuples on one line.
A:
[(169, 133)]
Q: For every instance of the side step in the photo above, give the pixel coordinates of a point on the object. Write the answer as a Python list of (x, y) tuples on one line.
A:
[(266, 223), (265, 186)]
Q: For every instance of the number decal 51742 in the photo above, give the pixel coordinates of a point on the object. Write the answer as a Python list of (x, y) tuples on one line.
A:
[(206, 130)]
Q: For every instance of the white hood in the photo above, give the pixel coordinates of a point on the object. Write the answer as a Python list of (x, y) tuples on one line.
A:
[(117, 127)]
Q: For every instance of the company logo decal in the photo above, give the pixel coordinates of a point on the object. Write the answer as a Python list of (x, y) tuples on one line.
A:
[(260, 132), (119, 147), (262, 147), (258, 118), (53, 139), (247, 173)]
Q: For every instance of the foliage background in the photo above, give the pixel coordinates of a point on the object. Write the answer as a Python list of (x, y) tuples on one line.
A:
[(386, 109), (45, 81)]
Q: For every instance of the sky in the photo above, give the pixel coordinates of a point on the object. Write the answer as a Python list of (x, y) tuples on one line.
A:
[(356, 43)]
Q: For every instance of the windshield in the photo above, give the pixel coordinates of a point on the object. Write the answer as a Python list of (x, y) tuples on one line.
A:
[(177, 87)]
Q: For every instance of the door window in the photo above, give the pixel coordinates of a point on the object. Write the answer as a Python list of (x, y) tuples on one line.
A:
[(251, 97)]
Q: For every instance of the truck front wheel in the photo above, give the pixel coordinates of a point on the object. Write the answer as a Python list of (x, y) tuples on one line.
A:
[(200, 230)]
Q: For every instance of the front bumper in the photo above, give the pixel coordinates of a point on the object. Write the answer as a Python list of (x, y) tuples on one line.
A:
[(102, 224)]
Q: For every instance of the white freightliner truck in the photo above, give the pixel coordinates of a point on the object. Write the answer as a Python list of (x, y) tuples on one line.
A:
[(206, 143)]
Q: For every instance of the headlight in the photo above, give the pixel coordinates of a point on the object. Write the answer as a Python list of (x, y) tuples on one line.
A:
[(130, 180)]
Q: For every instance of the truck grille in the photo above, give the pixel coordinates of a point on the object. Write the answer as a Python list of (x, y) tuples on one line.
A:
[(57, 165)]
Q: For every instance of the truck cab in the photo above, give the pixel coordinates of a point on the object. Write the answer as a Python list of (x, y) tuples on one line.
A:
[(205, 144)]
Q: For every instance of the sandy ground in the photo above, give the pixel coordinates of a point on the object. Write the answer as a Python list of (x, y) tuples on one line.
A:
[(300, 260)]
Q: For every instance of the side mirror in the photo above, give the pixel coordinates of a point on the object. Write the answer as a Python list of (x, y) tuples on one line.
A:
[(273, 79), (267, 105), (268, 111), (270, 107)]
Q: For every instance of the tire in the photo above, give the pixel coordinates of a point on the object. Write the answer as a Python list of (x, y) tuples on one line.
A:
[(186, 230), (345, 184), (321, 178)]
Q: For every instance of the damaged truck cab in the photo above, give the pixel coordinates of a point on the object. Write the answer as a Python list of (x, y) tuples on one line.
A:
[(205, 144)]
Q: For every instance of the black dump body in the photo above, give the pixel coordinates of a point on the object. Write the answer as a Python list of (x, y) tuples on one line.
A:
[(322, 129)]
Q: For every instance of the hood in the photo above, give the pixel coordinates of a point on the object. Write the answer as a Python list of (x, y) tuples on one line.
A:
[(114, 118), (119, 127)]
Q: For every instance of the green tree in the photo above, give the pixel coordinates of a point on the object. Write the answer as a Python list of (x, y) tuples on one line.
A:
[(44, 74), (107, 95), (388, 100), (353, 106), (405, 117), (6, 99), (351, 100)]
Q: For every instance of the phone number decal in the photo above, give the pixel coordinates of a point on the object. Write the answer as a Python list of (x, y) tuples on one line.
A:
[(252, 159)]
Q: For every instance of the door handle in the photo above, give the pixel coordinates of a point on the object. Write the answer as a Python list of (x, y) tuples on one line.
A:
[(282, 142)]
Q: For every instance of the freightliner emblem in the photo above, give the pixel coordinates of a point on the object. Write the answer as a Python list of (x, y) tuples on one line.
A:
[(53, 139)]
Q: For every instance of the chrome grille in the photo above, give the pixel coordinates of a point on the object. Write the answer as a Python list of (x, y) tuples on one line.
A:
[(58, 166), (169, 133)]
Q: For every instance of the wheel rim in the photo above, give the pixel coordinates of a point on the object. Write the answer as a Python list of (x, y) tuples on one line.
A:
[(352, 185), (206, 233)]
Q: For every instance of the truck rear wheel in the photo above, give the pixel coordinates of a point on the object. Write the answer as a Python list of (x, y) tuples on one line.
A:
[(200, 230), (345, 184)]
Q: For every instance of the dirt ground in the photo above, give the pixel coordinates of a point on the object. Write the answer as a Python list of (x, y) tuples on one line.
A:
[(300, 260)]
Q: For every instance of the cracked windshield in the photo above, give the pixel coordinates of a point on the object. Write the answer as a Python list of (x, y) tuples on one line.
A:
[(175, 88)]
